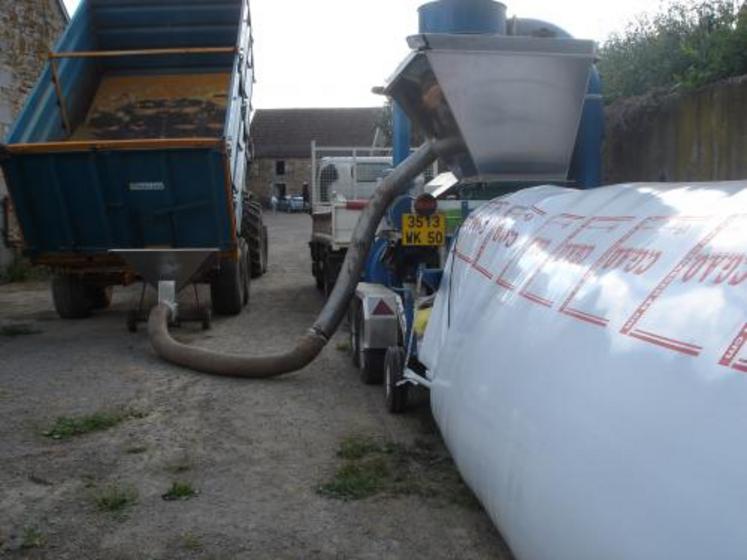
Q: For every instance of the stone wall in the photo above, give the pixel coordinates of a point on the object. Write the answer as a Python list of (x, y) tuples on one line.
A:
[(693, 136), (263, 177), (28, 31)]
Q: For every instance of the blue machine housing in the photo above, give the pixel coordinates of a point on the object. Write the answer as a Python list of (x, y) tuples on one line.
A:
[(158, 173), (384, 265)]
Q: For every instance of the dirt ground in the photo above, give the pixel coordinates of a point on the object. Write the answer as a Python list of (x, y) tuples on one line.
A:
[(255, 452)]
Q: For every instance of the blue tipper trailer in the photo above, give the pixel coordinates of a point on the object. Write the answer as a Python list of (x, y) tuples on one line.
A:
[(136, 137)]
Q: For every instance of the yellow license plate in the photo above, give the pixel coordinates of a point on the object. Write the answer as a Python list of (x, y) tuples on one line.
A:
[(423, 231)]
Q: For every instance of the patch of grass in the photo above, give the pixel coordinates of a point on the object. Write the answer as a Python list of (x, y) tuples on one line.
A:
[(13, 331), (21, 270), (357, 447), (356, 480), (66, 427), (191, 541), (180, 466), (343, 346), (114, 498), (180, 491), (372, 467), (136, 449), (33, 538)]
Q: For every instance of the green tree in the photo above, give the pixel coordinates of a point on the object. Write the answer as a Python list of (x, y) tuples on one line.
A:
[(686, 45)]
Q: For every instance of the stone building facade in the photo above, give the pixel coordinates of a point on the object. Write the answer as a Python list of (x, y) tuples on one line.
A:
[(28, 31), (270, 176), (282, 143)]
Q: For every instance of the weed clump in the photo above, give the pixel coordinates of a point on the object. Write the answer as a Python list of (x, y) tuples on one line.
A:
[(32, 538), (372, 467), (180, 491), (66, 427), (115, 498)]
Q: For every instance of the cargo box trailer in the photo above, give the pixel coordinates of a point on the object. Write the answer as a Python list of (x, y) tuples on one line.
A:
[(136, 137)]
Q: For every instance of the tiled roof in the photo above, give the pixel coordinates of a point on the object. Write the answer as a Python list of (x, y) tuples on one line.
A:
[(287, 133)]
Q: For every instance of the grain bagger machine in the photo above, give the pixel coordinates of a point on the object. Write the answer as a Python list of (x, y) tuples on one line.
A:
[(130, 157), (586, 349)]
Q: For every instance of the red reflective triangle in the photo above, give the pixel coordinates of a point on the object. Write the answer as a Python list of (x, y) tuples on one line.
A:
[(382, 309)]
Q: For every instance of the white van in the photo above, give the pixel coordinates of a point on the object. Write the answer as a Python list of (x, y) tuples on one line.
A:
[(340, 179)]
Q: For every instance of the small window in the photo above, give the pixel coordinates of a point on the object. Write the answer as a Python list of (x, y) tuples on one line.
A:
[(280, 168), (370, 172)]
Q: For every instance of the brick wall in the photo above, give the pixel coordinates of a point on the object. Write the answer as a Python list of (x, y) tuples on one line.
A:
[(263, 176), (28, 31)]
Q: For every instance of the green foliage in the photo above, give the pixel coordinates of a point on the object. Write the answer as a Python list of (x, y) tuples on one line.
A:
[(357, 447), (373, 467), (13, 331), (115, 499), (690, 43), (21, 270), (180, 491), (356, 480), (33, 538), (191, 541), (66, 427)]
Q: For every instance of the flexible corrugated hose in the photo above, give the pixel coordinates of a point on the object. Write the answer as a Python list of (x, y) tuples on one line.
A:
[(311, 344)]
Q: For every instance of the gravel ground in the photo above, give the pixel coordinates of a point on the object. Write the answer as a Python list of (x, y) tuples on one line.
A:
[(256, 452)]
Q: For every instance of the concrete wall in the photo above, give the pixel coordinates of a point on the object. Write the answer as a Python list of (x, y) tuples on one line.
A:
[(28, 31), (694, 136), (263, 177)]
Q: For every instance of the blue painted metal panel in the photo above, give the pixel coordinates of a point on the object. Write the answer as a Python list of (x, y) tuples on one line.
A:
[(463, 16), (402, 131), (89, 202), (586, 165)]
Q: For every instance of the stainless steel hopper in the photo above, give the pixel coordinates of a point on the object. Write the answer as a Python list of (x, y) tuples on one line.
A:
[(514, 102)]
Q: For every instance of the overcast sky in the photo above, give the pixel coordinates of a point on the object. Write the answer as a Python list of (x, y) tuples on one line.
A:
[(329, 53)]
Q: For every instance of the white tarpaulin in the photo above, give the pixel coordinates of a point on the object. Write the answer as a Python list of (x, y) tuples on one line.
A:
[(588, 352)]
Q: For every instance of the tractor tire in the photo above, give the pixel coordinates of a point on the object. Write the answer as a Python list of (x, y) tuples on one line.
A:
[(394, 372), (100, 296), (71, 297), (245, 272), (227, 288), (331, 270), (372, 365), (255, 233)]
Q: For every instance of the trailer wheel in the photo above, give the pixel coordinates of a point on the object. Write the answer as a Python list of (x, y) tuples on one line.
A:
[(331, 271), (246, 264), (394, 372), (132, 320), (255, 233), (100, 296), (207, 319), (372, 365), (226, 289), (265, 248), (355, 311), (71, 297)]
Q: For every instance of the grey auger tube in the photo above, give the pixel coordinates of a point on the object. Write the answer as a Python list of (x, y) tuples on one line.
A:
[(309, 345)]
